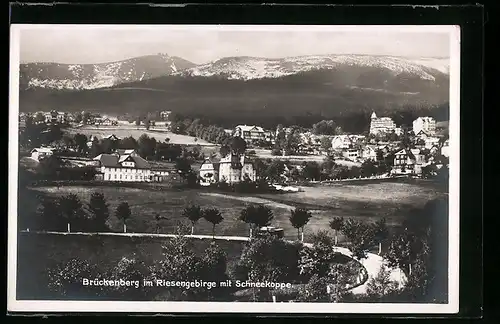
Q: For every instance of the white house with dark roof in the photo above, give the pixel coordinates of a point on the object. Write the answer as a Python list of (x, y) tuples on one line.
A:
[(426, 124), (369, 152), (341, 142), (408, 161), (40, 153), (250, 133), (230, 169), (123, 166), (209, 172)]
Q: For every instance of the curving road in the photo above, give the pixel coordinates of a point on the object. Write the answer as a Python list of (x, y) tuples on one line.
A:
[(372, 263)]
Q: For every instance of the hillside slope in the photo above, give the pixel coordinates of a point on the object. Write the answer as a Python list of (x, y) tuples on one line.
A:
[(92, 76), (336, 91)]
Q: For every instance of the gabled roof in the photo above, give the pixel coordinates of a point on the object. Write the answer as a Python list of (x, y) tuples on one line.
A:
[(407, 152), (247, 128), (422, 132), (114, 161), (42, 150), (125, 151)]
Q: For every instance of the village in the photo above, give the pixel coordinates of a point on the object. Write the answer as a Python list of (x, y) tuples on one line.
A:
[(387, 150)]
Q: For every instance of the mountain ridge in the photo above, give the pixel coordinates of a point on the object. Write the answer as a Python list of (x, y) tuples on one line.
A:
[(63, 76)]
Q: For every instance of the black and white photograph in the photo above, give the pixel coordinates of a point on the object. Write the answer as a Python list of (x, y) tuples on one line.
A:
[(247, 168)]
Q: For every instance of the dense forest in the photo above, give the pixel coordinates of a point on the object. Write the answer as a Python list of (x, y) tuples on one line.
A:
[(347, 95)]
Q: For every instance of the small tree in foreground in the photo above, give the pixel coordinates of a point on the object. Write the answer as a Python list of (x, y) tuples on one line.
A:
[(71, 209), (99, 211), (123, 213), (382, 284), (213, 216), (336, 225), (256, 216), (193, 213), (299, 218)]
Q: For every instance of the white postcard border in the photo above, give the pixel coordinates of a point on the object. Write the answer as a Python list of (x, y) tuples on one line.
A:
[(452, 306)]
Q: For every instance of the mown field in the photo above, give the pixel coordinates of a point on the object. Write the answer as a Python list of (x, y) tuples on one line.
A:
[(136, 132), (368, 201)]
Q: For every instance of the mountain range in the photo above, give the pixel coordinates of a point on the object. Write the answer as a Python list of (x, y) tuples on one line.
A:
[(92, 76), (239, 89)]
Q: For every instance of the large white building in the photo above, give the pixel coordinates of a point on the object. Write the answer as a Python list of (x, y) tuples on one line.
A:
[(127, 166), (425, 124), (249, 133), (56, 117), (381, 125), (230, 169)]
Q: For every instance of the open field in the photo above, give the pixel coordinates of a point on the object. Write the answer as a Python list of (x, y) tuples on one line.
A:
[(105, 252), (136, 132), (367, 201)]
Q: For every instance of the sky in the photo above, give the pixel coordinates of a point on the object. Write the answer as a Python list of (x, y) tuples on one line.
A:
[(99, 44)]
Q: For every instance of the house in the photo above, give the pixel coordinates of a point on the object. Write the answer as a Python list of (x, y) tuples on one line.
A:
[(230, 169), (408, 161), (426, 124), (369, 152), (398, 131), (62, 117), (112, 137), (165, 114), (106, 122), (234, 168), (269, 136), (341, 142), (125, 166), (91, 140), (381, 125), (40, 153), (351, 154), (445, 148), (209, 172), (431, 141), (249, 133), (51, 117)]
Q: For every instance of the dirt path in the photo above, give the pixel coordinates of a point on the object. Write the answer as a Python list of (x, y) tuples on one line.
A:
[(254, 200)]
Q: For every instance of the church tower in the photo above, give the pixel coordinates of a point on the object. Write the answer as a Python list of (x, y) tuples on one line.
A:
[(374, 115)]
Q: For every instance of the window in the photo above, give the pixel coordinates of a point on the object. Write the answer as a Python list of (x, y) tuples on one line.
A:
[(120, 176)]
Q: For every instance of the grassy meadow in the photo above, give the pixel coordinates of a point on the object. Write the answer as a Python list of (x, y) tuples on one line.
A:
[(136, 132), (368, 201)]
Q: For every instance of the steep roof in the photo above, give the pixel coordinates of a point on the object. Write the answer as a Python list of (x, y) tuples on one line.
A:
[(125, 151), (247, 128), (114, 161), (42, 150)]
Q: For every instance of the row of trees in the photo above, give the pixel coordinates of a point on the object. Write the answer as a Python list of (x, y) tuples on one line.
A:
[(318, 272), (278, 171), (199, 129), (256, 216), (326, 127), (70, 213)]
